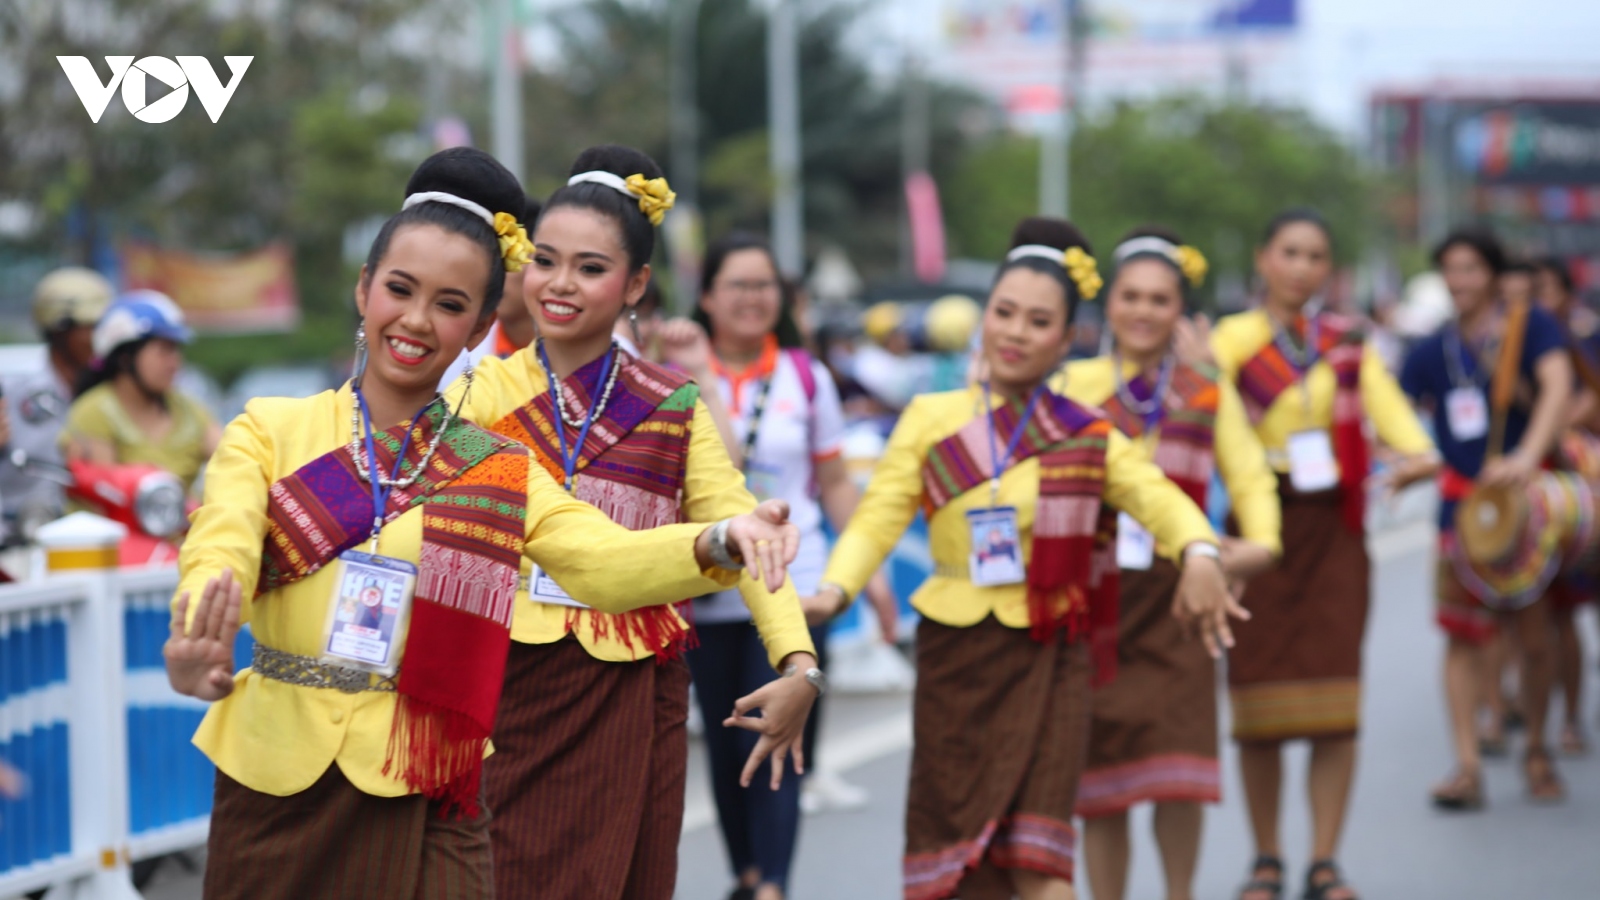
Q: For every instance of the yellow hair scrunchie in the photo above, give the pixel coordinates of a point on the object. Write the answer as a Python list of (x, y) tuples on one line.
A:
[(1194, 265), (515, 248), (655, 197), (1085, 275)]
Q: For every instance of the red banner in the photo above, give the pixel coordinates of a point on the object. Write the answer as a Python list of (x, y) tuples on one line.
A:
[(927, 227), (237, 294)]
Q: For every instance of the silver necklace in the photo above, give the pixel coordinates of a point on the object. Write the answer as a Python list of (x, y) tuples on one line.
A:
[(358, 453), (561, 400), (1144, 409)]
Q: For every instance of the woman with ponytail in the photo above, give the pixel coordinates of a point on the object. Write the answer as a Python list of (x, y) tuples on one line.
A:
[(1020, 486), (372, 539), (587, 784), (1153, 734)]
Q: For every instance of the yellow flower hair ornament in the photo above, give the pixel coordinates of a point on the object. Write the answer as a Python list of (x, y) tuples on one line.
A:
[(515, 248), (1193, 264), (655, 197), (1085, 274)]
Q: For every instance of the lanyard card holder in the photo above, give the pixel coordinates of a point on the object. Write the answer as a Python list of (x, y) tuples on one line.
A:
[(1136, 547), (1311, 464), (996, 557), (371, 603), (1467, 413), (543, 589)]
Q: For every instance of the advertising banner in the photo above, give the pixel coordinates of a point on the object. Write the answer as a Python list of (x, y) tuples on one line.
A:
[(239, 294)]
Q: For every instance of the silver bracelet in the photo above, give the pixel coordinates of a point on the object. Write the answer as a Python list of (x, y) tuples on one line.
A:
[(721, 557)]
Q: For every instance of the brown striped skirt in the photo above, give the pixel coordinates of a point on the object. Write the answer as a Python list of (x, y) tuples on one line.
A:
[(587, 779), (1000, 730), (1153, 735), (333, 842), (1295, 671)]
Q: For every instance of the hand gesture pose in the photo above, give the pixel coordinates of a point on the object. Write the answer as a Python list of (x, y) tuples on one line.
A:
[(1204, 603), (684, 344), (766, 541), (784, 703), (199, 654)]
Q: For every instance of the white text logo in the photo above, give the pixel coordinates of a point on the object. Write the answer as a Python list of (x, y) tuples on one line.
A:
[(188, 71)]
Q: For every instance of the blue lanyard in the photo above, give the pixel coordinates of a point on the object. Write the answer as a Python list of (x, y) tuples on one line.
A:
[(380, 492), (569, 461), (1016, 436)]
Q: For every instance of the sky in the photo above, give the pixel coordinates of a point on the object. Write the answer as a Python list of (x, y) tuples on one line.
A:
[(1344, 49)]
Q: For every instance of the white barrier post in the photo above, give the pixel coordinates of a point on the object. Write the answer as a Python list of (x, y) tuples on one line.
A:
[(87, 544)]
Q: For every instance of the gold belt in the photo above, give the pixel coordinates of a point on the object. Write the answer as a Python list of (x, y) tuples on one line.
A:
[(291, 668)]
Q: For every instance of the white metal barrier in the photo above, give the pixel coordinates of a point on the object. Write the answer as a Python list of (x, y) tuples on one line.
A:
[(87, 716)]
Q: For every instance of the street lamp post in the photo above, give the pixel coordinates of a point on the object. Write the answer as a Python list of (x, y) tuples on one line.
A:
[(783, 116)]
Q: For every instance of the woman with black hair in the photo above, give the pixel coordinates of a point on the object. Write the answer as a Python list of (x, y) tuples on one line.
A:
[(587, 782), (1153, 733), (1310, 383), (1010, 641), (349, 757), (1450, 373)]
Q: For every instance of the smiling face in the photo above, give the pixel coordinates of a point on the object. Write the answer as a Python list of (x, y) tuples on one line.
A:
[(157, 364), (746, 298), (1144, 307), (1025, 331), (420, 305), (579, 282), (1295, 264)]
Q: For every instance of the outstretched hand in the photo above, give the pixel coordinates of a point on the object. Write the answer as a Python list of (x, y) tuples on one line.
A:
[(1191, 341), (199, 653), (784, 703), (1204, 603), (766, 541)]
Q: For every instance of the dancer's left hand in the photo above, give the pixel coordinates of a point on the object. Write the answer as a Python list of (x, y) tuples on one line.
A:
[(784, 703), (1203, 602)]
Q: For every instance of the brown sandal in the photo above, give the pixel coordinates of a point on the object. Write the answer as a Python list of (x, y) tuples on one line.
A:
[(1461, 792), (1573, 743), (1544, 784)]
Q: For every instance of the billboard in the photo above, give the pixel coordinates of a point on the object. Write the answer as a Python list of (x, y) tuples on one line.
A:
[(239, 294)]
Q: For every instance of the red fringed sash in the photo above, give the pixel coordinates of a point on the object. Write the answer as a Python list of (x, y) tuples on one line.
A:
[(1186, 440), (474, 496), (1072, 572), (632, 469), (1269, 373)]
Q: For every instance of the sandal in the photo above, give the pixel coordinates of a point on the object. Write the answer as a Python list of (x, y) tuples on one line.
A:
[(1461, 792), (1496, 747), (1266, 879), (1573, 742), (1332, 888), (1544, 784)]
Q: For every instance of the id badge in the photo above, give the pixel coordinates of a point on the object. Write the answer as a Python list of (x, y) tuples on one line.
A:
[(762, 480), (1311, 465), (543, 589), (1136, 547), (372, 597), (996, 547), (1467, 413)]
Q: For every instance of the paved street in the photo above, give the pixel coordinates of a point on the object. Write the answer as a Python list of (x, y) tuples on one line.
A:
[(1397, 846)]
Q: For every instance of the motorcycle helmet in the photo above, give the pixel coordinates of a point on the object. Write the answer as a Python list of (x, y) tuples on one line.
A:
[(136, 316), (69, 297)]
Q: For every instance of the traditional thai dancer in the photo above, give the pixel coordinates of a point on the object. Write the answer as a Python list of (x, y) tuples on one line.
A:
[(1020, 486), (1310, 384), (1153, 735), (348, 756)]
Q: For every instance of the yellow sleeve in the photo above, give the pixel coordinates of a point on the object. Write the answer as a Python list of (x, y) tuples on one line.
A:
[(1242, 462), (1137, 487), (1388, 409), (715, 490), (229, 527), (886, 508), (615, 570)]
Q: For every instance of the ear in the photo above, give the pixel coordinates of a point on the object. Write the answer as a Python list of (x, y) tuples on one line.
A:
[(362, 284), (637, 282)]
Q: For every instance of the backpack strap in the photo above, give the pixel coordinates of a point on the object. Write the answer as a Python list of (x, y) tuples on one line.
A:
[(802, 365)]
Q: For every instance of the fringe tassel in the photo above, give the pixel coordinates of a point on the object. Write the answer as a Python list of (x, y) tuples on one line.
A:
[(1350, 449), (437, 753), (662, 629), (1057, 576)]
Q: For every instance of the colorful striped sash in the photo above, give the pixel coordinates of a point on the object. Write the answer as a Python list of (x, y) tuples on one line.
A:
[(1186, 437), (1269, 373), (474, 496), (1072, 571), (631, 468)]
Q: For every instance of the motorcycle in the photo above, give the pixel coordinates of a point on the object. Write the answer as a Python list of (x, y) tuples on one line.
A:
[(148, 501)]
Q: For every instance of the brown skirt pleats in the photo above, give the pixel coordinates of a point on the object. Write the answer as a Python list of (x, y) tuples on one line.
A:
[(333, 842), (587, 779), (1153, 735), (1000, 729), (1296, 669)]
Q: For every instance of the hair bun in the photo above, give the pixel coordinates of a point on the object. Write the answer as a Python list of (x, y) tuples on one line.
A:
[(471, 174), (1049, 232), (618, 160)]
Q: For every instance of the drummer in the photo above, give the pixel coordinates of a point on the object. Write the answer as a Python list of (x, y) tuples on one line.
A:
[(1450, 372)]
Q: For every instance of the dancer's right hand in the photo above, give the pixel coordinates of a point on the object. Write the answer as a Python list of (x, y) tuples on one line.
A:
[(766, 541), (199, 654)]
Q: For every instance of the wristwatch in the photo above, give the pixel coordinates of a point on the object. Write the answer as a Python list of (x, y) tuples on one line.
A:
[(721, 556), (814, 677), (1200, 548)]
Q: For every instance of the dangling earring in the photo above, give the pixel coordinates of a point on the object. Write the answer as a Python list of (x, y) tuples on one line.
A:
[(466, 389), (360, 365), (633, 323)]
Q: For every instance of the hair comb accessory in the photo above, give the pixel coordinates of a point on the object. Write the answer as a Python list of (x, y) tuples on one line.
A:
[(654, 195)]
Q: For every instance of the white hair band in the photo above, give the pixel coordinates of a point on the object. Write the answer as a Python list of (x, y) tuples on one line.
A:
[(1040, 251), (451, 199), (609, 179), (1146, 244)]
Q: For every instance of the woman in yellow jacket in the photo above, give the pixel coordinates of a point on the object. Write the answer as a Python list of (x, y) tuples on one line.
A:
[(597, 702), (1153, 735), (1018, 484), (1310, 383), (379, 538)]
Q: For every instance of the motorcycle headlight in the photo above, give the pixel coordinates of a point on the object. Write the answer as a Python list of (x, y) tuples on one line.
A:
[(159, 505)]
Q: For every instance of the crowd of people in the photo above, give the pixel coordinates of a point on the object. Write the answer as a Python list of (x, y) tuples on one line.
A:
[(483, 574)]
